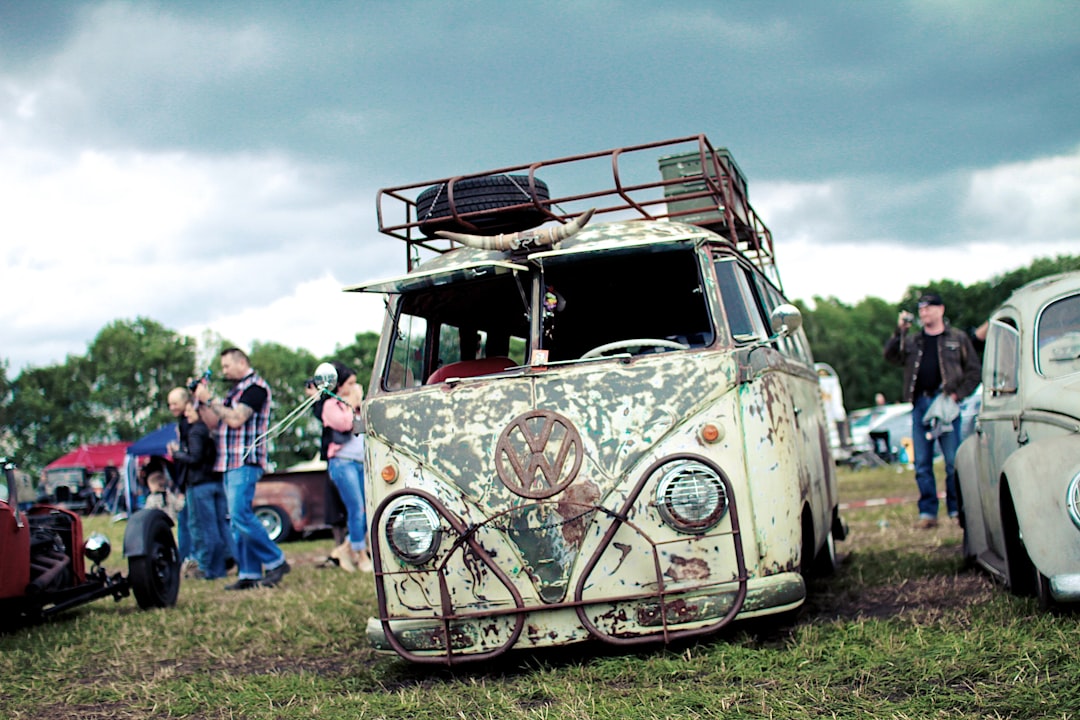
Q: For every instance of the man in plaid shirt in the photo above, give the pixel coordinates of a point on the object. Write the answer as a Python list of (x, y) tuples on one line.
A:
[(241, 418)]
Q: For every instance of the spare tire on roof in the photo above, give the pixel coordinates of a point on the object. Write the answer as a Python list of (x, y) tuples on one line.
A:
[(478, 194)]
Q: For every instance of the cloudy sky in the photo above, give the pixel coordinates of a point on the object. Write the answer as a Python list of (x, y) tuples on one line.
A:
[(214, 165)]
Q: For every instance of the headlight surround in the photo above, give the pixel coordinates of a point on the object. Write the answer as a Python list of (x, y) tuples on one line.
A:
[(691, 496), (413, 530), (1072, 500), (97, 548)]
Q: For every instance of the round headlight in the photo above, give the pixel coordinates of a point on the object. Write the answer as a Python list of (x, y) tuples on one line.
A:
[(97, 548), (412, 529), (1072, 500), (691, 496)]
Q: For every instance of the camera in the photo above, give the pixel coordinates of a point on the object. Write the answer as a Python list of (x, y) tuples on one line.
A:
[(192, 384), (907, 317)]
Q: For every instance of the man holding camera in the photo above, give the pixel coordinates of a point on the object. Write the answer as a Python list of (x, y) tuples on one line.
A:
[(938, 361), (242, 419)]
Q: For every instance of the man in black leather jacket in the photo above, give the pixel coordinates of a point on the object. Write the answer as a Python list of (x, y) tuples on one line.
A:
[(937, 360)]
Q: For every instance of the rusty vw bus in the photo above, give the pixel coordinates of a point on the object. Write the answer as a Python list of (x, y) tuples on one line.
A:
[(592, 415)]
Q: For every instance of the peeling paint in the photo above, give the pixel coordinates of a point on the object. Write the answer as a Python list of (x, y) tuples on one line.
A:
[(545, 478), (687, 568)]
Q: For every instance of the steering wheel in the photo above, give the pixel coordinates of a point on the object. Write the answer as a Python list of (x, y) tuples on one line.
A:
[(634, 343)]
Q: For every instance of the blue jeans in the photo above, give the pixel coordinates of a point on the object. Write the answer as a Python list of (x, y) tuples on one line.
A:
[(348, 477), (208, 513), (183, 535), (255, 550), (924, 461)]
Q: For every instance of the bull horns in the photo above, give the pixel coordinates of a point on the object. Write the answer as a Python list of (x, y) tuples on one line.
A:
[(527, 239)]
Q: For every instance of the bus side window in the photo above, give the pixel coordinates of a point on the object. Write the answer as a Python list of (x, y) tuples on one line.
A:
[(740, 310), (406, 367), (795, 345)]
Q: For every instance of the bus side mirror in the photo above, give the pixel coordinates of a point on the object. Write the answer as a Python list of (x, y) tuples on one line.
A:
[(785, 320)]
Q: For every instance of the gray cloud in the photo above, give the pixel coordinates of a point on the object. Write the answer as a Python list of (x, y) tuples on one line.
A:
[(808, 90), (875, 123)]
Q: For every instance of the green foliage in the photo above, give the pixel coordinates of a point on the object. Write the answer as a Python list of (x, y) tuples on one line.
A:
[(7, 439), (117, 390), (285, 370), (51, 413), (851, 338), (132, 366), (969, 307), (360, 356)]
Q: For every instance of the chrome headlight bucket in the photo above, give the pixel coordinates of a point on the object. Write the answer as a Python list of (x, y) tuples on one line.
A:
[(1072, 500), (96, 548), (413, 530), (691, 496)]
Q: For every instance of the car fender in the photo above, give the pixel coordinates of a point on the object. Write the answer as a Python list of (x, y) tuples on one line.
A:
[(1038, 476), (967, 475), (137, 531)]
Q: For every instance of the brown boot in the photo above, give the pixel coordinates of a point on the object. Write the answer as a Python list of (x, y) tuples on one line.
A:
[(343, 554)]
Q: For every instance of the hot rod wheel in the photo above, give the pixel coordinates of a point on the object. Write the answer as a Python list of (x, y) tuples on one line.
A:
[(153, 560)]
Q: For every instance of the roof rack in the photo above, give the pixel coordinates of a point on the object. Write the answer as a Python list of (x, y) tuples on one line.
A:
[(697, 184)]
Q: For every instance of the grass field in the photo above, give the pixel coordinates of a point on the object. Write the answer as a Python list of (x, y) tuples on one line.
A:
[(903, 631)]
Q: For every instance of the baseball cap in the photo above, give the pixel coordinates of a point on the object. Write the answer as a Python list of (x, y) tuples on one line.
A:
[(930, 299)]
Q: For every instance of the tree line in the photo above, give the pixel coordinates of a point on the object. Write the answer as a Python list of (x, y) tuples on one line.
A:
[(850, 338), (116, 391)]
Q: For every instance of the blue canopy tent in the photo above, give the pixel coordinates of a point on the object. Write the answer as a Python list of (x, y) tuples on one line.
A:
[(153, 443)]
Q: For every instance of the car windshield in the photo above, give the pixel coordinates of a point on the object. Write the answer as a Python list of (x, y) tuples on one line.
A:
[(600, 298), (1058, 338), (483, 325)]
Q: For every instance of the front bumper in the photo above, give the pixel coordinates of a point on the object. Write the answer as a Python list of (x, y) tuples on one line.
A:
[(1065, 588), (649, 619)]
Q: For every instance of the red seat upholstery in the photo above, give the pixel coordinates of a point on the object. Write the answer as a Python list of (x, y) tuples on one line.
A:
[(470, 368)]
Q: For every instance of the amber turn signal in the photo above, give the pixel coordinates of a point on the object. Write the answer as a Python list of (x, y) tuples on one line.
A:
[(711, 433), (389, 473)]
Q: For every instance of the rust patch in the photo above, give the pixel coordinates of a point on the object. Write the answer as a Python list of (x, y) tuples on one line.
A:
[(773, 395), (687, 569), (572, 504), (684, 611)]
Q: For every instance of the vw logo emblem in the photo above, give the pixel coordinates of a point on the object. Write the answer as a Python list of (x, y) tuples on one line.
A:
[(538, 454)]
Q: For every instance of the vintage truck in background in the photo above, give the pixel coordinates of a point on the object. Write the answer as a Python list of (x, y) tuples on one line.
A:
[(295, 502), (590, 430)]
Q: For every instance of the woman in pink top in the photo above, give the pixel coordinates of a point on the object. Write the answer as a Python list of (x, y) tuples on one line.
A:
[(346, 466)]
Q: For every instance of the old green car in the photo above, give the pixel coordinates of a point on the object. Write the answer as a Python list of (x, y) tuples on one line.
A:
[(1019, 473)]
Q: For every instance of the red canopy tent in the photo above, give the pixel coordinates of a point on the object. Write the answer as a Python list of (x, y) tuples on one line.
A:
[(67, 478), (94, 458)]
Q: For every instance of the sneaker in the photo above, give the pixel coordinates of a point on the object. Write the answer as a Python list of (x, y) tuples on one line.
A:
[(926, 523), (244, 584), (363, 561), (273, 577)]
